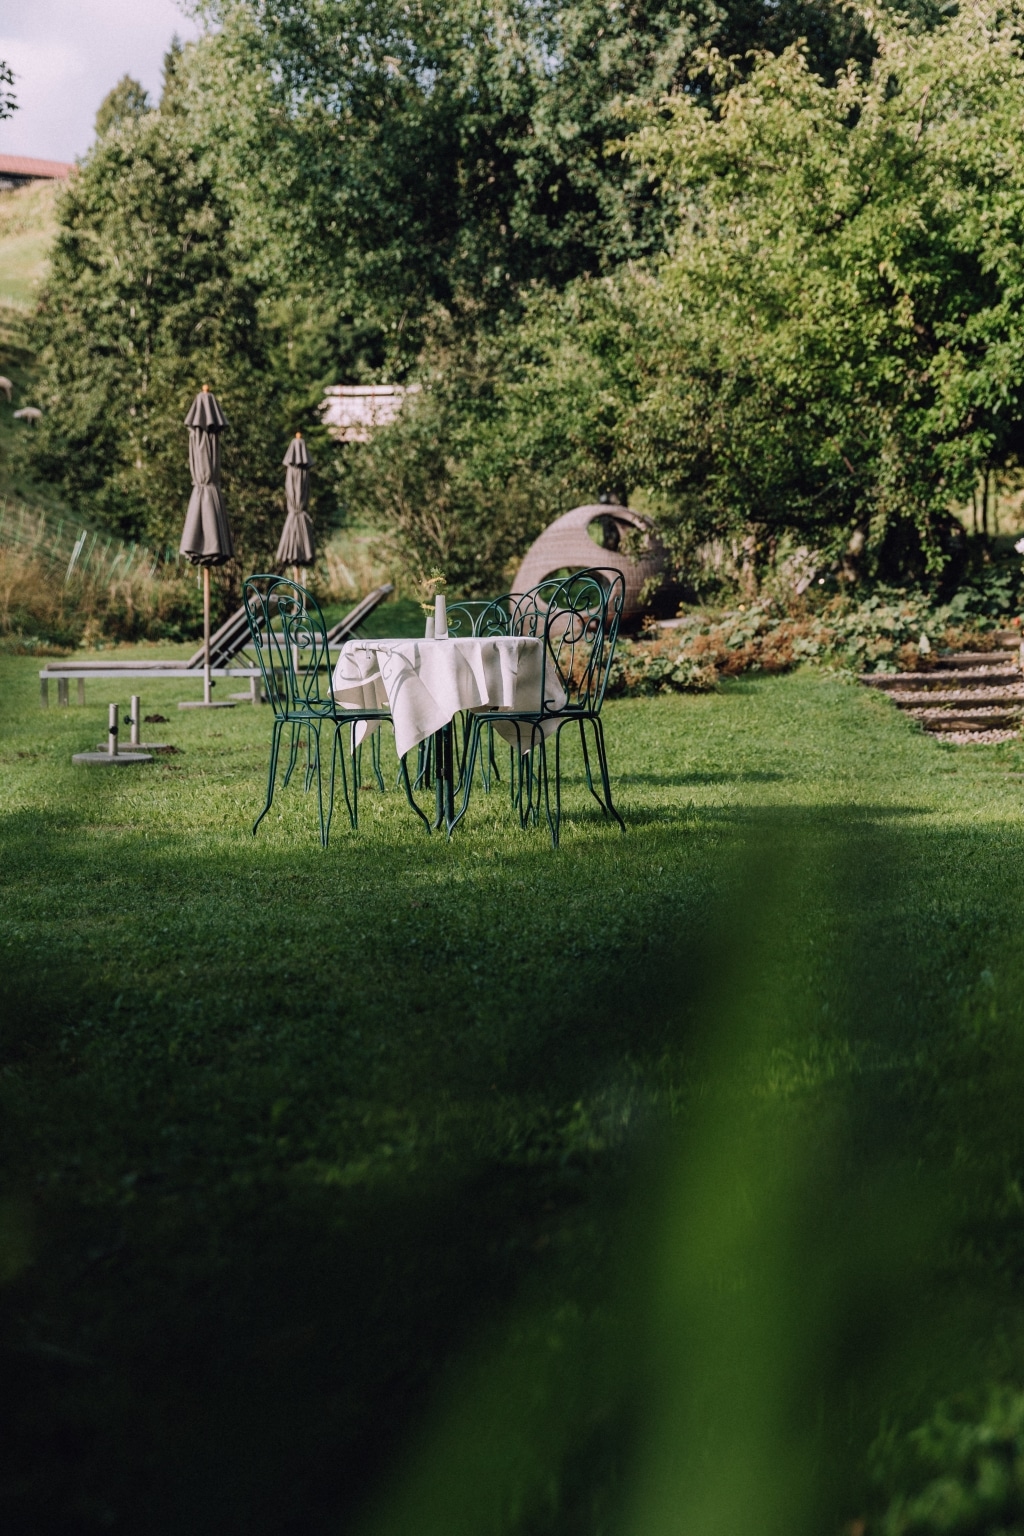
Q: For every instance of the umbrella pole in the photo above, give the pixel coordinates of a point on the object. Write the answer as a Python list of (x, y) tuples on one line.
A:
[(206, 635)]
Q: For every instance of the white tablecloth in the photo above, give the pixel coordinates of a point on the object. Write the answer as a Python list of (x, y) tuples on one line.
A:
[(425, 683)]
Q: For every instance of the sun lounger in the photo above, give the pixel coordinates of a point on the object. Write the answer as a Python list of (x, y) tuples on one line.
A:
[(228, 644)]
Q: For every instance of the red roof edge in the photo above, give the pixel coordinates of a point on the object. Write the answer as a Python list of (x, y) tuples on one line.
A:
[(44, 170)]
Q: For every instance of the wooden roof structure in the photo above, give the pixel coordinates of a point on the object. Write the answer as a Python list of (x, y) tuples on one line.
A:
[(19, 168)]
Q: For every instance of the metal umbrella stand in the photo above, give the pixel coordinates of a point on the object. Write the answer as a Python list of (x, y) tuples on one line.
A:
[(206, 538), (111, 756), (296, 546)]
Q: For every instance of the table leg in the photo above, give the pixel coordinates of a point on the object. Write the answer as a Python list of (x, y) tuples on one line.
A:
[(444, 778), (438, 766), (449, 777)]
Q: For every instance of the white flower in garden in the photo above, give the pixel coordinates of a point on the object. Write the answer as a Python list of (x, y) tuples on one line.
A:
[(1019, 546)]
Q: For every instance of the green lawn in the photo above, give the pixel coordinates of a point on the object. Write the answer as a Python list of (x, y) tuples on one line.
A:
[(415, 1187)]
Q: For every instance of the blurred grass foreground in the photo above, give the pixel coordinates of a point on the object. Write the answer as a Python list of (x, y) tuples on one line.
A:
[(670, 1185)]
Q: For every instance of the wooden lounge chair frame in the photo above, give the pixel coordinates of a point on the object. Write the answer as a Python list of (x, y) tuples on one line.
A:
[(230, 656)]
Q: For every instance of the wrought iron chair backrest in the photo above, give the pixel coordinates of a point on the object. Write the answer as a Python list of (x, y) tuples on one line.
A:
[(480, 616), (289, 635), (578, 618), (576, 615)]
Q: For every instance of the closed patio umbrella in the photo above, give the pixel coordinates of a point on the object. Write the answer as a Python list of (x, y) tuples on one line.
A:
[(206, 538), (296, 546)]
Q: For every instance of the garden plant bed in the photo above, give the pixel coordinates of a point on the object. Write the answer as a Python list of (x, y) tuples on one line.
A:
[(883, 637)]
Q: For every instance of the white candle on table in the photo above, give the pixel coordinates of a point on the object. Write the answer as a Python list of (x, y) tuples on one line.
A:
[(440, 617)]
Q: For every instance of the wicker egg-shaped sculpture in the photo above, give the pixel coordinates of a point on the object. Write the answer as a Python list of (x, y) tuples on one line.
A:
[(598, 535)]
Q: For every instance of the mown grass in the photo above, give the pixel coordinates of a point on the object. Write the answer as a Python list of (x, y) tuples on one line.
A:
[(469, 1187)]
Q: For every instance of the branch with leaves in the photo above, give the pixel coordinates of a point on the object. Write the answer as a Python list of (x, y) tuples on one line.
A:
[(8, 101)]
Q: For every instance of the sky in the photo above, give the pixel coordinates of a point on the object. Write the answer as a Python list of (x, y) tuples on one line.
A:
[(66, 55)]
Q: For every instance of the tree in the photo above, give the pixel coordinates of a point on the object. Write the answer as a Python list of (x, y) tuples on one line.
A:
[(127, 100), (834, 341), (448, 153), (174, 77), (145, 302), (8, 103)]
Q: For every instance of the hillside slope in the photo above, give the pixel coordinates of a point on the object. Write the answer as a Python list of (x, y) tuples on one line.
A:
[(27, 227)]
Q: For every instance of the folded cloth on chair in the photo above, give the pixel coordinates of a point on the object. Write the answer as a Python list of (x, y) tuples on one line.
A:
[(426, 683)]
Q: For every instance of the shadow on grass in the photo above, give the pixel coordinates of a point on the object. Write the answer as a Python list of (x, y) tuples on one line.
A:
[(536, 1195)]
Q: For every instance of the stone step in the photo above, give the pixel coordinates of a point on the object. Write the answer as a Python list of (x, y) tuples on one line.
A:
[(957, 697), (890, 681), (964, 719), (961, 659)]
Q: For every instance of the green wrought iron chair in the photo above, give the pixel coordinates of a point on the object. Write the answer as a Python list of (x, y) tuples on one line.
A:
[(289, 636), (577, 616), (470, 617)]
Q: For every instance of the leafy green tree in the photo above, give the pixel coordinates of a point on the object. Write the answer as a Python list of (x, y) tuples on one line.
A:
[(126, 101), (173, 86), (836, 337), (409, 155), (833, 343), (145, 302)]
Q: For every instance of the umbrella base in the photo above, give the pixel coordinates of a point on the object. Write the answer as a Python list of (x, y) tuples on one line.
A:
[(141, 746), (205, 704), (104, 759)]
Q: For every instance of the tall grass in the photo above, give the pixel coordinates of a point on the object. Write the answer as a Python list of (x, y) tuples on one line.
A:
[(42, 613), (354, 561), (64, 584)]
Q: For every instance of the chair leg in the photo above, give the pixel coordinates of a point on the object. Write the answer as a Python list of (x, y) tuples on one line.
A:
[(325, 826), (275, 741), (353, 755), (338, 756), (460, 748), (469, 764), (403, 774), (375, 758), (309, 756), (525, 789), (556, 828), (487, 761), (602, 758), (529, 810), (293, 755), (586, 764), (515, 774), (492, 765), (587, 768), (424, 762), (538, 754)]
